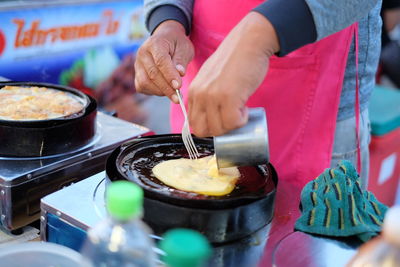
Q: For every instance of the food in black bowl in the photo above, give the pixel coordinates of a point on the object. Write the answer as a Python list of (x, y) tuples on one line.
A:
[(41, 119), (221, 218)]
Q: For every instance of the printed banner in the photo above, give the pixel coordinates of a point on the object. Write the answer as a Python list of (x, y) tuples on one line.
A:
[(69, 43)]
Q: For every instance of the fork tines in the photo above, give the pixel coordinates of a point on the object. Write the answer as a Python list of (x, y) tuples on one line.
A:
[(189, 144), (186, 135)]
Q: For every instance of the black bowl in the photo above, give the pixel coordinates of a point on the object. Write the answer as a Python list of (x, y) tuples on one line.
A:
[(52, 136)]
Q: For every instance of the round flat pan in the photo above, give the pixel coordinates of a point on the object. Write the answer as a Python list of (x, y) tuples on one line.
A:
[(135, 159)]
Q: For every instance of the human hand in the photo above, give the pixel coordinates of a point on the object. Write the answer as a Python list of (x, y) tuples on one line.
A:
[(162, 60), (219, 92)]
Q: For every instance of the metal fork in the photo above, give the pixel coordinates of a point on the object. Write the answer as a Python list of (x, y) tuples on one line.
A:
[(186, 135)]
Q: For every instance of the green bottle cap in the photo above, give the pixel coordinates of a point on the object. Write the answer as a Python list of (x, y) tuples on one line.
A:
[(124, 200), (185, 248)]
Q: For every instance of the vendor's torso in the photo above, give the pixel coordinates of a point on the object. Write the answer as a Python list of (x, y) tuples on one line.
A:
[(301, 91)]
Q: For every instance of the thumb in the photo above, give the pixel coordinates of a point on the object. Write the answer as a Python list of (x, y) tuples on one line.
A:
[(182, 57)]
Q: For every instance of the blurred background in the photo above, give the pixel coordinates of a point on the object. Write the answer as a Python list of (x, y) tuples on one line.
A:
[(90, 45)]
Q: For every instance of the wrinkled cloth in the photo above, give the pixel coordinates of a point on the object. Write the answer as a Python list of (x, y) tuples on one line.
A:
[(335, 205)]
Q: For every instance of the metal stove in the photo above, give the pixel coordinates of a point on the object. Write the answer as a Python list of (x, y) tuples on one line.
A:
[(24, 181), (66, 215)]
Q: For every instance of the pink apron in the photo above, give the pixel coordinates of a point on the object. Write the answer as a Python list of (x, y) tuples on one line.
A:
[(300, 93)]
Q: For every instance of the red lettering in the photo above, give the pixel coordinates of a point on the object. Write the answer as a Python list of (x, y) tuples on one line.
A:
[(112, 25), (2, 42), (20, 24), (35, 36)]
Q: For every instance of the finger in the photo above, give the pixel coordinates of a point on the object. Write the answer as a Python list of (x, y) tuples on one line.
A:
[(233, 116), (181, 69), (182, 56), (191, 102), (142, 82), (164, 63), (198, 115), (199, 123), (144, 85), (213, 113), (157, 78)]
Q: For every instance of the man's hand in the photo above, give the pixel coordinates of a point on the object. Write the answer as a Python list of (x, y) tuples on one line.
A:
[(219, 92), (162, 60)]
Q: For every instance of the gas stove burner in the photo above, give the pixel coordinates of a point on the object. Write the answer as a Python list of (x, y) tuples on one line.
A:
[(25, 180), (98, 199), (94, 140), (65, 215)]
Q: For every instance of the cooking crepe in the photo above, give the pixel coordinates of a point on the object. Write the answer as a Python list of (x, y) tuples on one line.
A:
[(197, 175)]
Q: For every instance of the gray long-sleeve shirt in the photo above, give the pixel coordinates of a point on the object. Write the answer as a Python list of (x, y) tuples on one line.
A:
[(300, 22)]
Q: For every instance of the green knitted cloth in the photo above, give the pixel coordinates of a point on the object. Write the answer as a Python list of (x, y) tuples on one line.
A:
[(335, 205)]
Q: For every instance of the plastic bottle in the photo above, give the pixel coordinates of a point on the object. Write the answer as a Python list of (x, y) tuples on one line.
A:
[(121, 239), (184, 248), (385, 249)]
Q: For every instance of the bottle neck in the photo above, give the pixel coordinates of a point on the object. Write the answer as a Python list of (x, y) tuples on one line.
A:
[(125, 221)]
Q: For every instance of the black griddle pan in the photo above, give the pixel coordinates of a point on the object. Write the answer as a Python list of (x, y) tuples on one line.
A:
[(246, 209)]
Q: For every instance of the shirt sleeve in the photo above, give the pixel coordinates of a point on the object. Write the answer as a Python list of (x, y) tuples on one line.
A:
[(158, 11), (300, 22), (293, 23), (333, 16)]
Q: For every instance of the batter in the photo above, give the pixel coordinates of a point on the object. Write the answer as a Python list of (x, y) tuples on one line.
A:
[(200, 176)]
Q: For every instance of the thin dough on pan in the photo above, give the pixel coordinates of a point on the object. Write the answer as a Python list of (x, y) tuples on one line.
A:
[(199, 176)]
